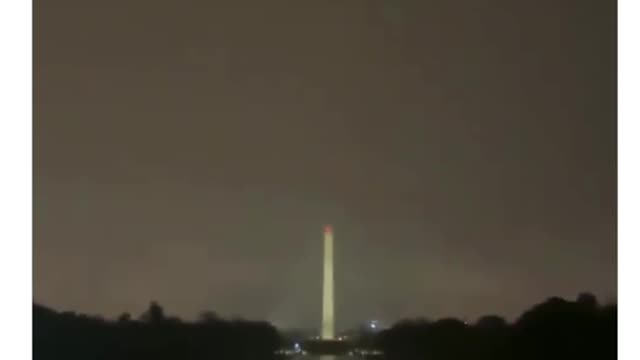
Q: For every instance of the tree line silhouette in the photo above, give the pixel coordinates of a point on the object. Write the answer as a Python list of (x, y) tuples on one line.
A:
[(554, 329), (70, 336)]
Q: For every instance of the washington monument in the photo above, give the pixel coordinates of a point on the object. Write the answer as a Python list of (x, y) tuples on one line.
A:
[(328, 325)]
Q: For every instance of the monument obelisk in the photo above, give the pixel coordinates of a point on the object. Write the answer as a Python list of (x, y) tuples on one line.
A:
[(327, 286)]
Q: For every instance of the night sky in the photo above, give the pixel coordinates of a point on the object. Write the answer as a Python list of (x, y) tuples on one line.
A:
[(190, 152)]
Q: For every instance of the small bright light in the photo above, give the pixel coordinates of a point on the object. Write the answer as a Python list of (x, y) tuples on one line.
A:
[(296, 345), (373, 325)]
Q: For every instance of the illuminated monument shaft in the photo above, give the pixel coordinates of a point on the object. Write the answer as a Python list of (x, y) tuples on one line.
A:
[(327, 288)]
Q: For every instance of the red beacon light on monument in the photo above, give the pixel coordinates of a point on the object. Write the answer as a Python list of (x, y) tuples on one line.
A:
[(328, 229)]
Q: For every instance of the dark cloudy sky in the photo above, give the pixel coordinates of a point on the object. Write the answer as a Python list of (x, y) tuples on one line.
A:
[(190, 152)]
